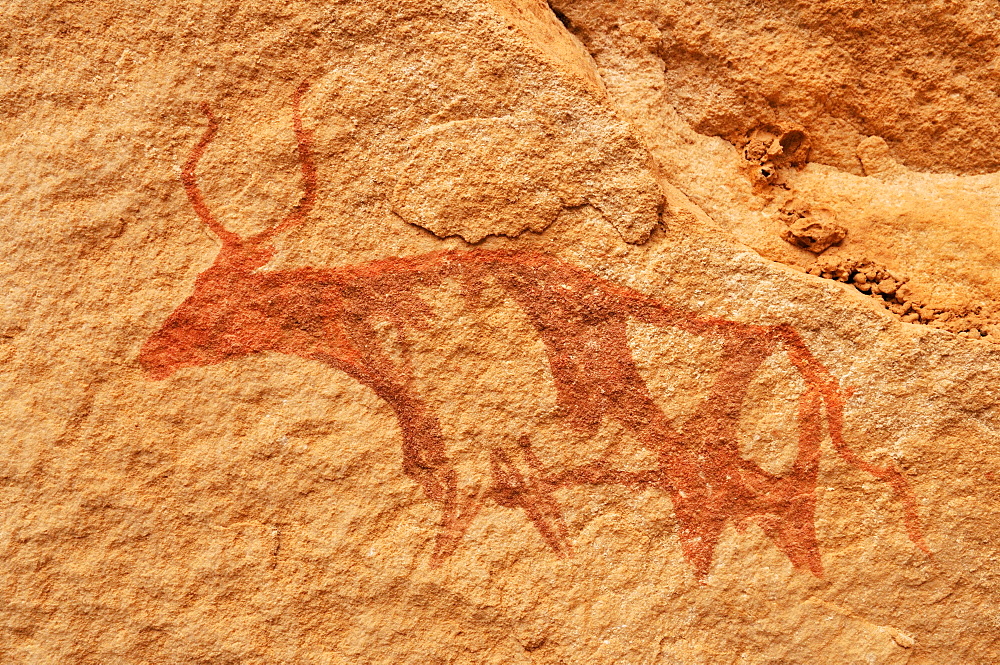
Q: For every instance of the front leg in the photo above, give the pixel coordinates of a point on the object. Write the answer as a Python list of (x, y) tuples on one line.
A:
[(424, 458), (425, 461)]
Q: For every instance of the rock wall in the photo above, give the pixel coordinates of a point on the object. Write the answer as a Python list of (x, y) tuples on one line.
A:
[(481, 331)]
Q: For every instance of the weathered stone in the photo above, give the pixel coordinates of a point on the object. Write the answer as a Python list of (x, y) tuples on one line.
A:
[(264, 402), (812, 233)]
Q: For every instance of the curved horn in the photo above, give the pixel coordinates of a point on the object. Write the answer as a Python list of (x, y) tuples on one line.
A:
[(191, 184), (304, 137)]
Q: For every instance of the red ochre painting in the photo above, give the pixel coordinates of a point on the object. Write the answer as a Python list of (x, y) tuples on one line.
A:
[(330, 315)]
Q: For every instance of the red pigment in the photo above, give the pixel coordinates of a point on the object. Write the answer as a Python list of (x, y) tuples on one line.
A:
[(330, 315)]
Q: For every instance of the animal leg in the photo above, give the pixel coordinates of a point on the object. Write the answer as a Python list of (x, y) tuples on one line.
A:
[(794, 533), (425, 461), (703, 502), (455, 519), (511, 489)]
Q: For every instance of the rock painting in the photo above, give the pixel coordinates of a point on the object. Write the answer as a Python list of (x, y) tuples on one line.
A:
[(330, 316)]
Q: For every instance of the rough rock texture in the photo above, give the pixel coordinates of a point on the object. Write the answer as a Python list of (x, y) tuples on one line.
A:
[(936, 230), (502, 176), (920, 75), (466, 332)]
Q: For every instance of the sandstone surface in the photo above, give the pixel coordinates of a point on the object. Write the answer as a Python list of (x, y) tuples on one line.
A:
[(499, 331)]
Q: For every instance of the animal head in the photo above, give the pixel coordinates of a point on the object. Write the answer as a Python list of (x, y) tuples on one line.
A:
[(221, 319)]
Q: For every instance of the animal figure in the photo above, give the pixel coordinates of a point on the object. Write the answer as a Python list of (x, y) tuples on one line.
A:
[(331, 315)]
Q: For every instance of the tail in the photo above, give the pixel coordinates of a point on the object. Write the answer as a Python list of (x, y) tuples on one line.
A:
[(817, 376)]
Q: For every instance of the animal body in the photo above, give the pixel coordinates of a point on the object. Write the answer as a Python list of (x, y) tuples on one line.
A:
[(331, 315)]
